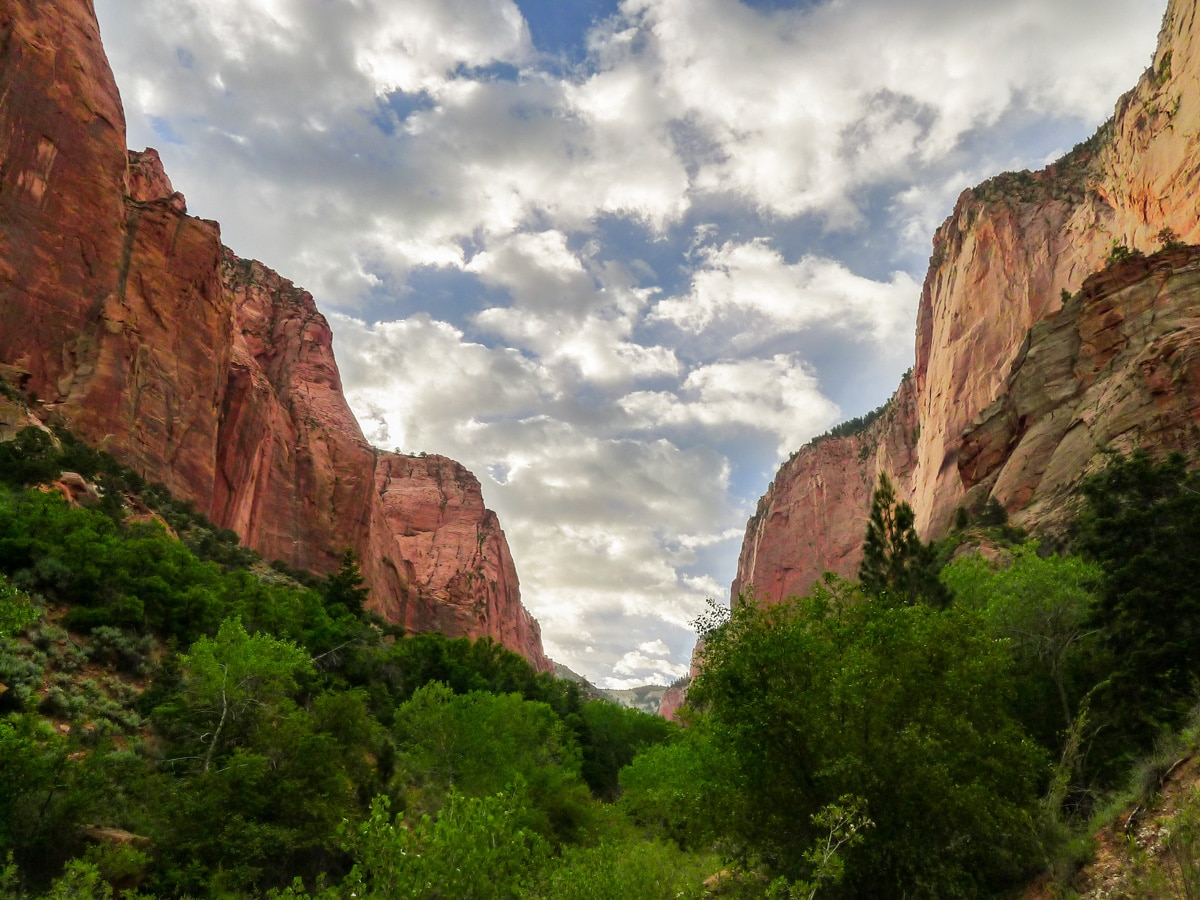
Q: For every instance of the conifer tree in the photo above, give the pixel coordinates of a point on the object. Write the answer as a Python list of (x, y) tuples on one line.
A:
[(896, 564), (346, 585)]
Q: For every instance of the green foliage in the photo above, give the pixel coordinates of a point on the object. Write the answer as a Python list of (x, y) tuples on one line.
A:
[(896, 564), (614, 736), (21, 672), (16, 612), (1041, 606), (841, 825), (1119, 252), (394, 673), (905, 707), (854, 426), (479, 743), (1141, 524), (121, 650), (45, 790), (474, 848), (81, 881), (343, 590), (30, 458), (1169, 239), (629, 869), (673, 788), (234, 687)]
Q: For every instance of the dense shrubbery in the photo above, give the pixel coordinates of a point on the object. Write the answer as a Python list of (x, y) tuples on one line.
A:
[(836, 695), (276, 709), (924, 734)]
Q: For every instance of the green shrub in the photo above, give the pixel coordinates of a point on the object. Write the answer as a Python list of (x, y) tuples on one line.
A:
[(634, 869), (119, 649)]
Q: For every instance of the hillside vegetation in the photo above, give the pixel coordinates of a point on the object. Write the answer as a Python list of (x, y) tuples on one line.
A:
[(182, 720)]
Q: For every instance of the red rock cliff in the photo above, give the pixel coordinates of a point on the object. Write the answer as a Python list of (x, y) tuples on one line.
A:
[(988, 417), (134, 325)]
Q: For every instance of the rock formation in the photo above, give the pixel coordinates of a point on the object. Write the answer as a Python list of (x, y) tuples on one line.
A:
[(1011, 391), (136, 327)]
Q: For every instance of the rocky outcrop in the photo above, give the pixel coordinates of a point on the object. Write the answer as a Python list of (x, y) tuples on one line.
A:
[(1002, 263), (813, 516), (443, 557), (673, 699), (135, 326), (1118, 366)]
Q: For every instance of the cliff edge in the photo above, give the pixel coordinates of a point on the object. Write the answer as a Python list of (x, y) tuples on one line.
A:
[(1026, 359), (138, 329)]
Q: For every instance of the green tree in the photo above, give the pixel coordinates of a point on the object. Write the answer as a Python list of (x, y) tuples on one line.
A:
[(1042, 605), (43, 794), (684, 790), (475, 847), (1141, 524), (233, 685), (613, 736), (29, 458), (895, 563), (346, 588), (16, 612), (905, 707), (478, 743)]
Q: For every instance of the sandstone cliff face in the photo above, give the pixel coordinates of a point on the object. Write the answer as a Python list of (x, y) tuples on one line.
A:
[(1118, 366), (137, 328), (1000, 265), (443, 555), (813, 516)]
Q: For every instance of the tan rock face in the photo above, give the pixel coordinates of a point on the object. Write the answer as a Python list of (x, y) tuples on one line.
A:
[(999, 268), (209, 373), (1118, 366)]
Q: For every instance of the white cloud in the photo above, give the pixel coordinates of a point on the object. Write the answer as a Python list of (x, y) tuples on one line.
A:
[(417, 46), (639, 665), (778, 396), (793, 119), (749, 291)]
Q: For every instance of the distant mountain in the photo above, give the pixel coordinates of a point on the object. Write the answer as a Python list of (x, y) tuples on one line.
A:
[(646, 698)]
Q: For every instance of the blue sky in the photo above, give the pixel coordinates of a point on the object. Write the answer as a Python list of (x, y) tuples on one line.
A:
[(619, 258)]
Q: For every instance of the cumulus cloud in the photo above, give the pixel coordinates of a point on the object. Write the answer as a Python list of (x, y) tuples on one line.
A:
[(750, 291), (795, 120), (779, 397), (620, 290)]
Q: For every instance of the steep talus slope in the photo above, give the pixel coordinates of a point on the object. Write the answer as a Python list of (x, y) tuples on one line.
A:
[(1001, 264), (137, 328)]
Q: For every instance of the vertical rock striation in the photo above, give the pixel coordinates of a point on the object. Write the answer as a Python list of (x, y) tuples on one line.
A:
[(989, 417), (136, 327)]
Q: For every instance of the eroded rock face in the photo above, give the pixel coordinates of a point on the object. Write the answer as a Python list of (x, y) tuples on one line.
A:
[(444, 556), (814, 515), (1001, 264), (1118, 366), (211, 374)]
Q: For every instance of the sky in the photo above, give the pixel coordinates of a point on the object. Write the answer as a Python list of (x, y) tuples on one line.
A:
[(618, 257)]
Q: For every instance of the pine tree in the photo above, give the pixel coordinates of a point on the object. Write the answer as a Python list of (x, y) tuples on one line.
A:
[(896, 564), (346, 585)]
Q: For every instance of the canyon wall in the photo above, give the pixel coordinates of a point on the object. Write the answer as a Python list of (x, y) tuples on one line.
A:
[(133, 325), (986, 418)]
